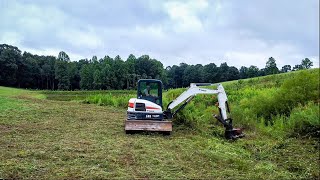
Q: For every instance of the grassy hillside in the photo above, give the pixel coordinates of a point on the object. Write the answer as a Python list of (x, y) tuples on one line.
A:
[(52, 135), (278, 105)]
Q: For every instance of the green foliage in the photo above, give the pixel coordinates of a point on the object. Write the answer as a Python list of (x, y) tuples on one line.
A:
[(253, 71), (74, 75), (306, 63), (61, 72), (9, 58), (264, 104), (299, 90), (304, 120), (48, 72), (110, 99), (286, 68), (120, 73), (297, 67), (243, 72), (271, 66), (97, 79), (86, 75)]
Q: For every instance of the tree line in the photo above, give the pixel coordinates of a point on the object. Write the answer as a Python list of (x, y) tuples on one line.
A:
[(26, 70)]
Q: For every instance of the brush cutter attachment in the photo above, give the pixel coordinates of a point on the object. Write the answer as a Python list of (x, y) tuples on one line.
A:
[(148, 125), (230, 132)]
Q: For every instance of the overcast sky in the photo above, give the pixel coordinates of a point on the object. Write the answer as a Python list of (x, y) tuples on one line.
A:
[(239, 32)]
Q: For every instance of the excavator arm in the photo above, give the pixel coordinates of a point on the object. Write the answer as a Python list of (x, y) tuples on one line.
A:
[(193, 90)]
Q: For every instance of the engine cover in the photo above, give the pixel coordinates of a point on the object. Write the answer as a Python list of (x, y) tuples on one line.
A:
[(140, 109)]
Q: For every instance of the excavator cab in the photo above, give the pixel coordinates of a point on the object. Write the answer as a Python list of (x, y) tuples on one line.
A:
[(150, 90), (145, 112)]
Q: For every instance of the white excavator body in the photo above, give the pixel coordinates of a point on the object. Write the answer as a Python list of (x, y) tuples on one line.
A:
[(145, 113)]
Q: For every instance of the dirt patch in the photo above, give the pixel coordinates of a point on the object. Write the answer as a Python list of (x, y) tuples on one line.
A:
[(128, 159), (5, 128), (29, 97)]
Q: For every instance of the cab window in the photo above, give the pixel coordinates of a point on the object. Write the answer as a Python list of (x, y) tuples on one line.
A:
[(149, 89)]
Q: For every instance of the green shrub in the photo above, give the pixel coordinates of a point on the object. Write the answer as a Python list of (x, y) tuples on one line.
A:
[(110, 99), (243, 118), (299, 89), (304, 121)]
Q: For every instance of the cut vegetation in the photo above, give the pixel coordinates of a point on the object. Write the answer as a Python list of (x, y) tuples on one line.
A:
[(63, 134)]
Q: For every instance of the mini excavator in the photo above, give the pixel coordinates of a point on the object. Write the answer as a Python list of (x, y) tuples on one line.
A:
[(145, 112)]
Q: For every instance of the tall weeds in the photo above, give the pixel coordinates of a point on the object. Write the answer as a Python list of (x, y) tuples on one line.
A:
[(279, 105)]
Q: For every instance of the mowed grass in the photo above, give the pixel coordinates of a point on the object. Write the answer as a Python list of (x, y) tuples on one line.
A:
[(13, 100), (50, 139)]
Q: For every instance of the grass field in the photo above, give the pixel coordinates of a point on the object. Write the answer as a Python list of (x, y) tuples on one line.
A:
[(53, 135)]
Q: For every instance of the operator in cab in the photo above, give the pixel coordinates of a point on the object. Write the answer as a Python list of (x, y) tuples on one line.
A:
[(147, 90)]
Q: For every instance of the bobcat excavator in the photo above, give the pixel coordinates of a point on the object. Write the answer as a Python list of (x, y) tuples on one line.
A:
[(145, 112)]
